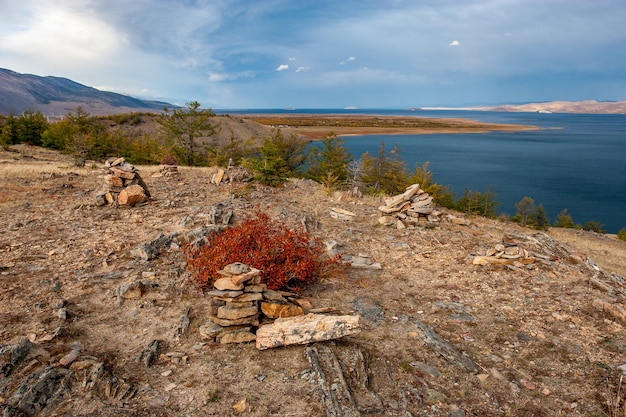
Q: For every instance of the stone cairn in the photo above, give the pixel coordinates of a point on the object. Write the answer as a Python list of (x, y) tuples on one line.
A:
[(509, 252), (242, 309), (412, 208), (122, 184), (166, 171), (240, 301)]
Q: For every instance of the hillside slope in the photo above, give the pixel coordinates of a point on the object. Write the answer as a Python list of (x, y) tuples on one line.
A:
[(57, 96), (441, 336)]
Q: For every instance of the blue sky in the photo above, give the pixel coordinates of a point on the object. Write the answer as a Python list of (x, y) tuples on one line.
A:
[(325, 53)]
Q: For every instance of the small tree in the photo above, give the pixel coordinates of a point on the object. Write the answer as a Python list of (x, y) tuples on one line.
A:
[(424, 177), (185, 127), (9, 131), (525, 207), (564, 219), (540, 219), (384, 173), (621, 235), (329, 162), (475, 202), (594, 227), (30, 127), (279, 158)]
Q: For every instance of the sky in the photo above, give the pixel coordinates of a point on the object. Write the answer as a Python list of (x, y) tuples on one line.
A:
[(238, 54)]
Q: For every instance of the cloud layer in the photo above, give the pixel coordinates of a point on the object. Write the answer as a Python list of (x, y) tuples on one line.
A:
[(367, 53)]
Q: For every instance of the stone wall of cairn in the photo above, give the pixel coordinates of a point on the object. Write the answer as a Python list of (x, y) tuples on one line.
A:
[(239, 303), (122, 184), (414, 207)]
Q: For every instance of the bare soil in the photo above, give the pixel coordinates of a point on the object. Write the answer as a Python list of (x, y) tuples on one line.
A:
[(540, 344)]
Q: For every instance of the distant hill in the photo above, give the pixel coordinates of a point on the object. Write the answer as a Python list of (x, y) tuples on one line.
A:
[(587, 106), (56, 96)]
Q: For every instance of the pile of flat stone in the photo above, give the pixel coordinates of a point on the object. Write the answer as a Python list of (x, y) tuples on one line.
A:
[(122, 184), (240, 302), (166, 171), (414, 207), (509, 252), (242, 309)]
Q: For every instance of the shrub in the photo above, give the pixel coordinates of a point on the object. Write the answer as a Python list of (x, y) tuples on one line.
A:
[(288, 259), (169, 160), (621, 235)]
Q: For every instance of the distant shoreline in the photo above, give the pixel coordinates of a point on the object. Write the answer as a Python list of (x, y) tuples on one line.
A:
[(318, 126)]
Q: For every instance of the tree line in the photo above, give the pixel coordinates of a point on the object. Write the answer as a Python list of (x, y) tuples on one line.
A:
[(186, 136)]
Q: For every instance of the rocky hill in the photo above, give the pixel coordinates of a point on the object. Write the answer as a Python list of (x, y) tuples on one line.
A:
[(465, 317), (587, 106), (57, 96)]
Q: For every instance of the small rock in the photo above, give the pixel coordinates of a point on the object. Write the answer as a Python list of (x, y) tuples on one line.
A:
[(131, 291), (69, 358), (241, 406), (169, 387)]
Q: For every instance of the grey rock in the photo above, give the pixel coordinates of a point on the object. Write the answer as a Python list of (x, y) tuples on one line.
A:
[(16, 355), (399, 246), (424, 367), (148, 355), (219, 215), (369, 309)]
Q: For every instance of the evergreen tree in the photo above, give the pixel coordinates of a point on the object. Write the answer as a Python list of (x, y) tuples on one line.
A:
[(525, 207), (564, 219), (9, 133), (540, 218), (385, 173), (30, 127), (184, 127), (329, 162), (279, 158)]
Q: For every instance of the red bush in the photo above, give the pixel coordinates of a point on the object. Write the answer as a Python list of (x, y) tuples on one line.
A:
[(288, 259)]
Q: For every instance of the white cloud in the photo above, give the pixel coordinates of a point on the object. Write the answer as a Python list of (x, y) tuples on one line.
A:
[(454, 43), (350, 59), (292, 59), (214, 77), (301, 69), (282, 67)]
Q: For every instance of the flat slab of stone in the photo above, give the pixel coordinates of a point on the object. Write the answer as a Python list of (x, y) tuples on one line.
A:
[(229, 312), (305, 329)]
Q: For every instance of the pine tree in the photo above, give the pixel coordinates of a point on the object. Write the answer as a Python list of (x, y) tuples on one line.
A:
[(564, 219), (329, 162)]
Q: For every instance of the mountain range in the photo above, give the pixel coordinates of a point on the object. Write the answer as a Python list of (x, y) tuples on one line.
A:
[(55, 96)]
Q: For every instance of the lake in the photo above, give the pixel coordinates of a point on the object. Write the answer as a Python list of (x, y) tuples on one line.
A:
[(576, 161)]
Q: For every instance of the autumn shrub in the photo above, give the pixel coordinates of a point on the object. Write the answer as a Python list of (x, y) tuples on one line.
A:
[(289, 259), (169, 160)]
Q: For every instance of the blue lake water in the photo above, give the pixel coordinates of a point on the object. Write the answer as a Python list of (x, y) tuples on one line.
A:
[(576, 161)]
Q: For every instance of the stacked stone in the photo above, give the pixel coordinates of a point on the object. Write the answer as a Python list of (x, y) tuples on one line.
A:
[(507, 252), (168, 170), (240, 302), (122, 184), (411, 208)]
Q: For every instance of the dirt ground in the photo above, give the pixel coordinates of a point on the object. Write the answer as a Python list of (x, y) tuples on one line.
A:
[(440, 336)]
